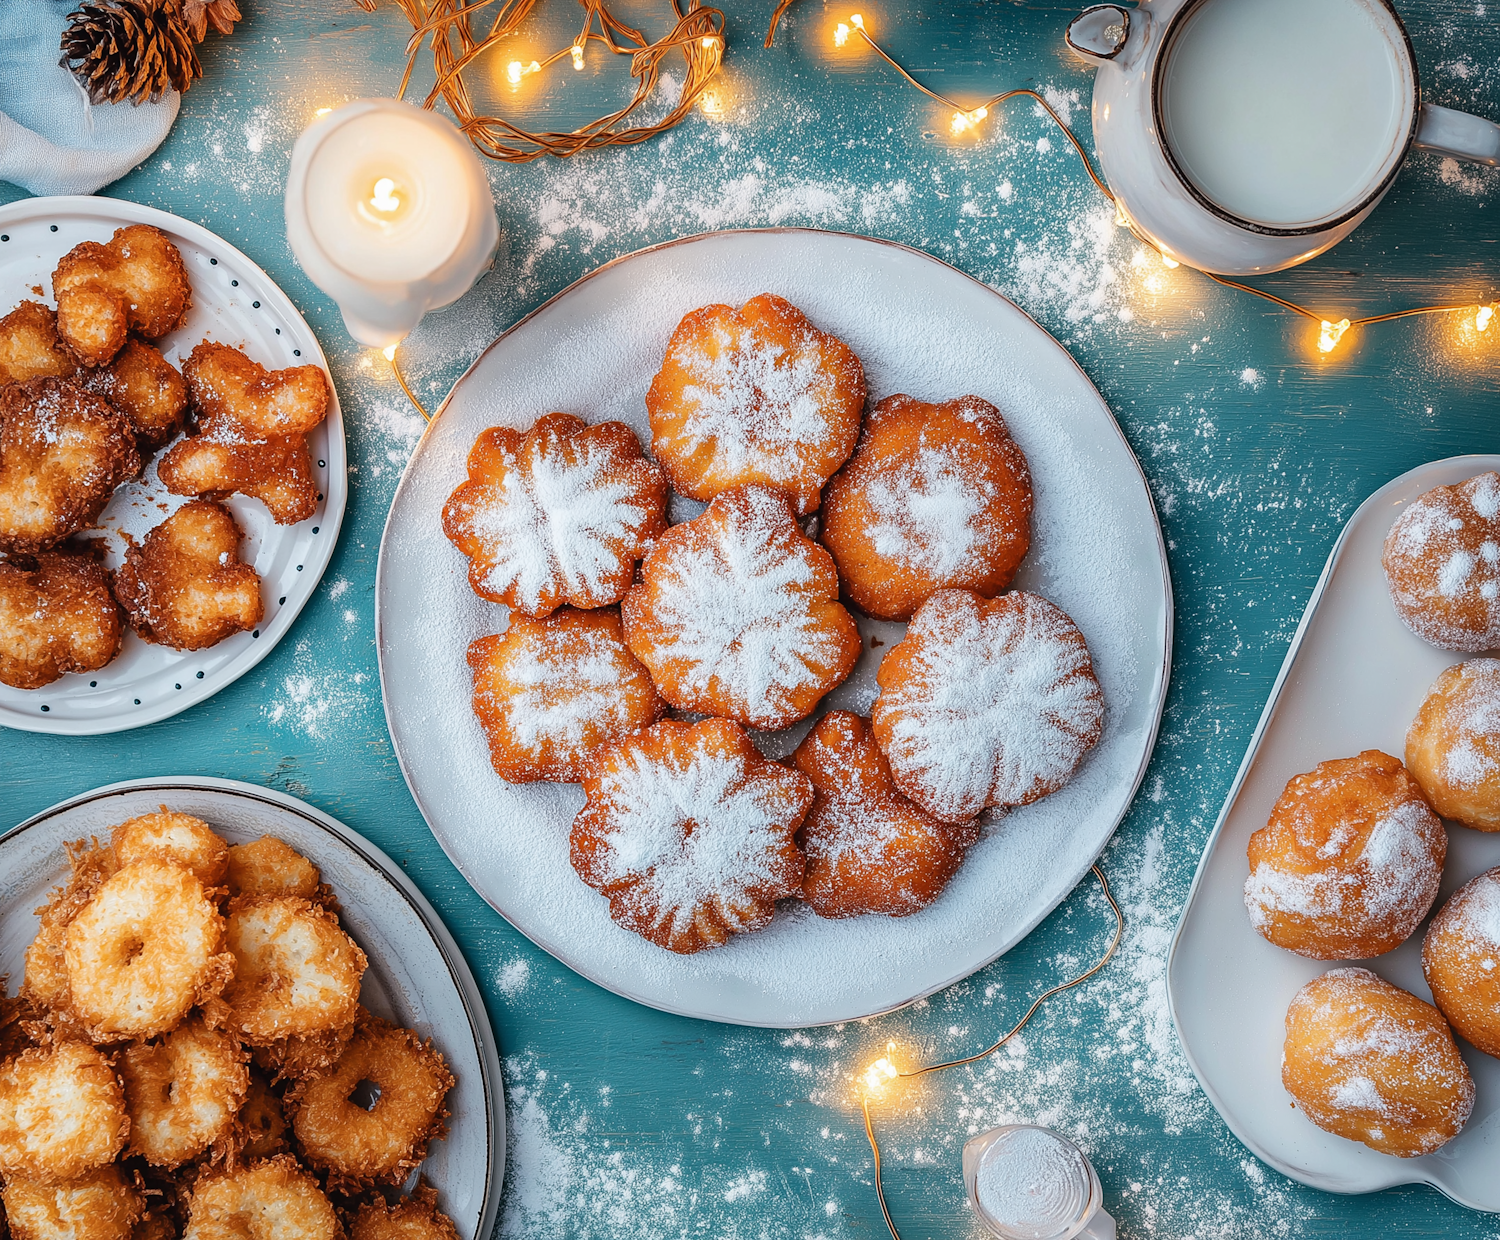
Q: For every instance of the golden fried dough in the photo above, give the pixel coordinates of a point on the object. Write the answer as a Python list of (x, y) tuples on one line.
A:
[(185, 586), (267, 868), (183, 1091), (272, 1200), (260, 1126), (146, 388), (103, 1205), (45, 983), (55, 618), (173, 839), (30, 347), (253, 432), (134, 282), (415, 1218), (63, 452), (1461, 961), (62, 1113)]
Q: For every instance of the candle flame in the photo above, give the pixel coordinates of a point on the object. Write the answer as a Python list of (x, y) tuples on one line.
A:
[(1483, 319), (1330, 334), (841, 35), (384, 197)]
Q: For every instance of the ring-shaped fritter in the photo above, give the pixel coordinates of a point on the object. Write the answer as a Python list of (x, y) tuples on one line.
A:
[(268, 868), (415, 1218), (103, 1205), (183, 1092), (381, 1145), (296, 971), (172, 839), (271, 1200), (62, 1113), (143, 951)]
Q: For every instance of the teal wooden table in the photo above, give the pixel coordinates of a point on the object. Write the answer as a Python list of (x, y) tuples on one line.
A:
[(630, 1124)]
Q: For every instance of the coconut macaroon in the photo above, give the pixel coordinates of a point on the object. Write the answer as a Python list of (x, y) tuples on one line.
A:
[(173, 839), (62, 1113), (183, 1092)]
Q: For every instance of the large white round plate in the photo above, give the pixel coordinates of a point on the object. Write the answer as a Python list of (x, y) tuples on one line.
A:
[(234, 303), (1352, 681), (417, 977), (922, 328)]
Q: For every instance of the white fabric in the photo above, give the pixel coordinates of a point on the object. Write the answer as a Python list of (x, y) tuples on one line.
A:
[(52, 140)]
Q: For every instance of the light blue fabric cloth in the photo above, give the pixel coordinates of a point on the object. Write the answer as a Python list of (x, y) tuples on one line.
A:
[(52, 140)]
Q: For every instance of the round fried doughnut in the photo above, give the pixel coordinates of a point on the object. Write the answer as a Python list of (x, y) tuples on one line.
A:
[(755, 395), (384, 1143), (268, 868), (986, 702), (271, 1200), (416, 1218), (690, 833), (62, 1113), (869, 849), (295, 970), (172, 839), (736, 614), (56, 618), (1453, 745), (558, 515), (297, 1057), (936, 497), (183, 1091), (1461, 960), (551, 692), (1369, 1062), (45, 985), (1349, 862), (143, 951), (1442, 564), (102, 1205), (260, 1127)]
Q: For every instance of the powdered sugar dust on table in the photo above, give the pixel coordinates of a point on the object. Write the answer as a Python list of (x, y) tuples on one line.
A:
[(629, 1122)]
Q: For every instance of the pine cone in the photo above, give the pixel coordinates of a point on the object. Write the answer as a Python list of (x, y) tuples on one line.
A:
[(199, 15), (128, 49)]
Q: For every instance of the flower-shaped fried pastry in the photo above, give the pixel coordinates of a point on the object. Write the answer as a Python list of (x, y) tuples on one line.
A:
[(690, 833), (986, 702), (30, 347), (550, 692), (55, 618), (253, 432), (558, 515), (62, 454), (737, 614), (185, 586), (936, 497), (755, 395), (146, 388), (869, 849), (134, 282)]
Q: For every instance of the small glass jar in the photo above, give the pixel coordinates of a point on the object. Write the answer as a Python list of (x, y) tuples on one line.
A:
[(1030, 1183)]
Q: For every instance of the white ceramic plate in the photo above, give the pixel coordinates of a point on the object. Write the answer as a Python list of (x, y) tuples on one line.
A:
[(235, 303), (417, 977), (1352, 681), (920, 327)]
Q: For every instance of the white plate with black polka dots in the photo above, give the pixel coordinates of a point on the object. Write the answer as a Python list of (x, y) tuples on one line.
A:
[(234, 303)]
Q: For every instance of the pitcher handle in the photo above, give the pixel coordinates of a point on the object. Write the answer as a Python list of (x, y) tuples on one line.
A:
[(1470, 138), (1099, 34)]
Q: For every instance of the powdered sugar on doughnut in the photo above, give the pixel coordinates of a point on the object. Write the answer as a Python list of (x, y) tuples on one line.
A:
[(998, 706), (1470, 762), (1475, 913), (931, 514), (564, 683)]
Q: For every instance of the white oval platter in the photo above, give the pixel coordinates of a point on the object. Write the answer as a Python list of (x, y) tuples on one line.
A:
[(417, 976), (235, 303), (1352, 681), (920, 327)]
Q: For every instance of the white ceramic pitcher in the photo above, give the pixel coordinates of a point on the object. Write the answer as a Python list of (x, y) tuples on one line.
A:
[(1133, 49)]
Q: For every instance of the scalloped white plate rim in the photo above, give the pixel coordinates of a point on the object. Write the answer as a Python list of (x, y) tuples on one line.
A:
[(119, 211), (482, 1032), (1398, 1171), (619, 985)]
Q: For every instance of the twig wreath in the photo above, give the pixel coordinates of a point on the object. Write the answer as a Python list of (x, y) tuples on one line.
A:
[(449, 26)]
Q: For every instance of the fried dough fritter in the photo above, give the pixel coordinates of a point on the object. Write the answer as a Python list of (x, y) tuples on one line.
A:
[(304, 1055), (134, 282), (183, 1092), (63, 451), (62, 1113), (253, 432), (30, 347), (44, 985), (56, 618), (172, 839), (103, 1205), (272, 1200), (384, 1144), (260, 1127), (185, 586), (146, 388), (415, 1218), (269, 868)]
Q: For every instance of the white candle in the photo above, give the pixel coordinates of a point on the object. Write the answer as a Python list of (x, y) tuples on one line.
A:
[(389, 212)]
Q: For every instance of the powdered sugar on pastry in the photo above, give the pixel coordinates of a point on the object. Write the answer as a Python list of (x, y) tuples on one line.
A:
[(986, 703), (932, 514)]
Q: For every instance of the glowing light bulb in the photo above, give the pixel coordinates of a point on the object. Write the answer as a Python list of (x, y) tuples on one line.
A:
[(577, 56), (709, 41), (514, 70), (968, 120), (879, 1073), (711, 104), (841, 35), (1330, 334), (1483, 319), (960, 122), (1171, 263), (383, 196), (857, 21), (390, 352), (322, 111)]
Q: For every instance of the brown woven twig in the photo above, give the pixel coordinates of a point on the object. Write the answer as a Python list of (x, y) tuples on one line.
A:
[(448, 27)]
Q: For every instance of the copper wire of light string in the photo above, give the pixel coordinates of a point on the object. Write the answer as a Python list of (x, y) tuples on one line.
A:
[(447, 26), (410, 395), (971, 114), (1114, 944)]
